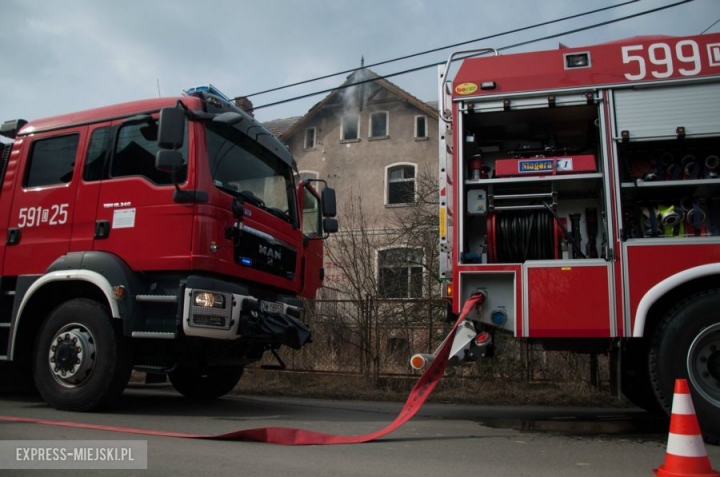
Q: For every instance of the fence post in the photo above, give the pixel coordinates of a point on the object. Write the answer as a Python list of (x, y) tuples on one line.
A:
[(430, 348), (527, 361), (376, 357), (367, 345)]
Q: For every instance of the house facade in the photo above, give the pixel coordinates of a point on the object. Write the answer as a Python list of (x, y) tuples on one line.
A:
[(372, 142)]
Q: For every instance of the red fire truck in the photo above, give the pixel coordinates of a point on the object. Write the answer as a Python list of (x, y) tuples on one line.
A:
[(580, 195), (168, 235)]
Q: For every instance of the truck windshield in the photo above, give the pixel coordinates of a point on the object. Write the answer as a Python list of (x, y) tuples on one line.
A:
[(242, 167)]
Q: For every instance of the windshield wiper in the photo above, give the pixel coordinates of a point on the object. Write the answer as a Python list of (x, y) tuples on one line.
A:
[(248, 196), (252, 198), (279, 213)]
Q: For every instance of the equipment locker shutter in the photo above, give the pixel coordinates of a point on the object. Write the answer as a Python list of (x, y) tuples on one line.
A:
[(656, 113)]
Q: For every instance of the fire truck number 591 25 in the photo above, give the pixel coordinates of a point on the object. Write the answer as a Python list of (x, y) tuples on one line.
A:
[(56, 214), (170, 235)]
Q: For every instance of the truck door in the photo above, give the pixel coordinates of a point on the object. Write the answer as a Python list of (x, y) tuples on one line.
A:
[(137, 218), (41, 214)]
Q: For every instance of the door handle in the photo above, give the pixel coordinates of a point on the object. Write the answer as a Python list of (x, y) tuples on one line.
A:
[(13, 236), (102, 229)]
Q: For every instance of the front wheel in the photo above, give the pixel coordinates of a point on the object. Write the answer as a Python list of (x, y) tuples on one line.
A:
[(82, 360), (209, 383), (687, 345)]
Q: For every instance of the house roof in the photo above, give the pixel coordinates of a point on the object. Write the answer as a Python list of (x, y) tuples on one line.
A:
[(279, 126), (284, 128)]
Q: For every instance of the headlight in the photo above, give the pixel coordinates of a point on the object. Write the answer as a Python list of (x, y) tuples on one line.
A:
[(209, 300)]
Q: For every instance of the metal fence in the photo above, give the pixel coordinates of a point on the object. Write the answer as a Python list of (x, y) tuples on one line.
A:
[(376, 337)]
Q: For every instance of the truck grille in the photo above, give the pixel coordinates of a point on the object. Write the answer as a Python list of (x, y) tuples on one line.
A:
[(263, 252), (210, 321)]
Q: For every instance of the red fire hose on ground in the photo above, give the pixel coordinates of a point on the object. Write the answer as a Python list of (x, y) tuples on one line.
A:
[(290, 436)]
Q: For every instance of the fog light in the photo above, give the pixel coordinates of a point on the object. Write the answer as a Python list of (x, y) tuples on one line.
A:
[(209, 300)]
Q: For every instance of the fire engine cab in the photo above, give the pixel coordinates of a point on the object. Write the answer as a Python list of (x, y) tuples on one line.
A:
[(168, 235), (580, 195)]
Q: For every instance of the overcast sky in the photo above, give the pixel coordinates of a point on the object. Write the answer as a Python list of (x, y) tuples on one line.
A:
[(63, 56)]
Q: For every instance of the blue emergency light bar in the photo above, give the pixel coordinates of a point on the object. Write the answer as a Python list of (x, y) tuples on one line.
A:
[(208, 88)]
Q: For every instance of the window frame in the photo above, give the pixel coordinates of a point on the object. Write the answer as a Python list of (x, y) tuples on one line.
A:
[(387, 125), (150, 174), (31, 159), (425, 120), (382, 262), (307, 147), (388, 170), (96, 168), (344, 118), (247, 165)]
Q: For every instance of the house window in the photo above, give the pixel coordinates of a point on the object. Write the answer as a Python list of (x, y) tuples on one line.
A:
[(350, 128), (400, 273), (310, 137), (400, 184), (379, 124), (420, 127), (52, 161)]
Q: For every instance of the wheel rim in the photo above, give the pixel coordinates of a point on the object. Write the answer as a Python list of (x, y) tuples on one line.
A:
[(704, 364), (72, 355)]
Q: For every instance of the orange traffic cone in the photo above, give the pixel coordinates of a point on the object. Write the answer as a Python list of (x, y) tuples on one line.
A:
[(686, 455)]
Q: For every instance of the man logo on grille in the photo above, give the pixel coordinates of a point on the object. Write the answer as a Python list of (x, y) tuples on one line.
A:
[(270, 254)]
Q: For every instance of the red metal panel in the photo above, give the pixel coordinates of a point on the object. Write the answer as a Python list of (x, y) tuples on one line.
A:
[(651, 263), (628, 61), (568, 301)]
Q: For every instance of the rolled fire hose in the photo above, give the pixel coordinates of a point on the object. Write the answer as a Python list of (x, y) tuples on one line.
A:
[(671, 218), (671, 215), (712, 163), (291, 436), (694, 214)]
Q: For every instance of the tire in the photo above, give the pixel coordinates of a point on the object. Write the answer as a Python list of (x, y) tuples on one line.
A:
[(82, 360), (635, 379), (687, 345), (209, 383)]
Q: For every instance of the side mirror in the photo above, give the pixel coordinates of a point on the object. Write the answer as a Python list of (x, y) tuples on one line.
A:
[(169, 161), (329, 205), (171, 129), (330, 225)]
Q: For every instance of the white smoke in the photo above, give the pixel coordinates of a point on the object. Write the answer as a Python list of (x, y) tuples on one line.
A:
[(355, 96)]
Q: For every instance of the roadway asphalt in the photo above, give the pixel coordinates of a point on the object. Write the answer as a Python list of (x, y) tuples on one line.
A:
[(442, 439)]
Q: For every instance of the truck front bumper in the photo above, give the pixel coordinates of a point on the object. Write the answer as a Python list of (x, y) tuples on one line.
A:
[(227, 311)]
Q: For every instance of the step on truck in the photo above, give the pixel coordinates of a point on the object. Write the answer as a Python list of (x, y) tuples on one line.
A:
[(580, 196), (168, 235)]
